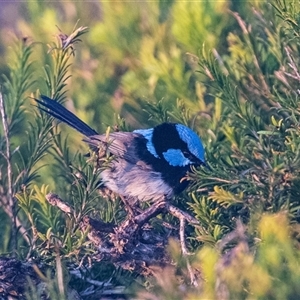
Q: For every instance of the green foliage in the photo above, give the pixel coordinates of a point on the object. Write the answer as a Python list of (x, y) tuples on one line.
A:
[(138, 66)]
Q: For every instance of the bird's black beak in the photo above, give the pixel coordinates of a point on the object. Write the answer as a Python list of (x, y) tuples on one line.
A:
[(204, 164)]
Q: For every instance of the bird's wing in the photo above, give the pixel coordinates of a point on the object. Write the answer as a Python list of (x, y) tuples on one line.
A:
[(120, 144)]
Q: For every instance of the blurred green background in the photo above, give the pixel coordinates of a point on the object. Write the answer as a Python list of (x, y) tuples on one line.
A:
[(134, 51)]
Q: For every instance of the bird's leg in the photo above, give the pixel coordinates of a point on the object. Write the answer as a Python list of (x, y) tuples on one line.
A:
[(128, 206)]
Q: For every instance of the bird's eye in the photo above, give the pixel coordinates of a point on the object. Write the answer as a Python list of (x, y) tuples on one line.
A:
[(188, 154), (191, 157)]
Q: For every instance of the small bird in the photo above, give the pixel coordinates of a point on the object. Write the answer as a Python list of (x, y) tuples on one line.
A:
[(148, 164)]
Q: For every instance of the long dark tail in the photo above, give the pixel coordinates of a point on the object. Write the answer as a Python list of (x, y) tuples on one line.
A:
[(59, 112)]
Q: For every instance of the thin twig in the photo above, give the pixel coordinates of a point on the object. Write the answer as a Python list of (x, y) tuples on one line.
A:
[(55, 200), (178, 213), (292, 65), (185, 251), (7, 156), (19, 224), (60, 280), (150, 212), (191, 271), (182, 237)]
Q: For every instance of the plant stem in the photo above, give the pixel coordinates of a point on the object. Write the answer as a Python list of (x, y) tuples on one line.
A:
[(10, 199)]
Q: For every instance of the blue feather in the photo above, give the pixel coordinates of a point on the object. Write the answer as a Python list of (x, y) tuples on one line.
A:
[(176, 158), (192, 140), (147, 134)]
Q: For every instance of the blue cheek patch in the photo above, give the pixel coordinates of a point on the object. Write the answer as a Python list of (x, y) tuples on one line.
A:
[(147, 134), (176, 158), (192, 140)]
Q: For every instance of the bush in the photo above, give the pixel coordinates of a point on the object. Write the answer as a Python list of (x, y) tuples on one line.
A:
[(240, 94)]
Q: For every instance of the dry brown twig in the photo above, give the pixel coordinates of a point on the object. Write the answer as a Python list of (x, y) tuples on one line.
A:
[(7, 197), (131, 244)]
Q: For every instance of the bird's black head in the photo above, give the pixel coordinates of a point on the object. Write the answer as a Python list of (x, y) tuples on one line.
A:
[(171, 149)]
